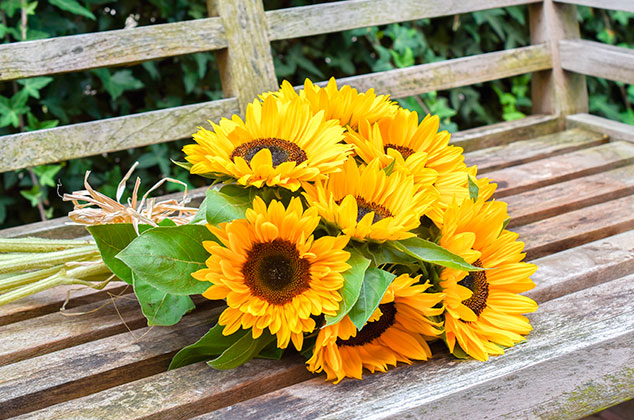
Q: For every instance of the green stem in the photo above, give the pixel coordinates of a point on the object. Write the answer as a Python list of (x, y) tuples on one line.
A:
[(39, 245), (47, 260), (63, 277), (22, 279)]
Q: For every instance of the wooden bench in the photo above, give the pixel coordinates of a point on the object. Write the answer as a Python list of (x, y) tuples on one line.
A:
[(568, 178)]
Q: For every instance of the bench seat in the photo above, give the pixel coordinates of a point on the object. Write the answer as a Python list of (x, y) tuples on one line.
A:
[(570, 194)]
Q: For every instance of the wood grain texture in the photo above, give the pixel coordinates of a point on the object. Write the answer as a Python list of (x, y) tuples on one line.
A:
[(182, 393), (343, 15), (51, 300), (246, 67), (505, 132), (100, 364), (48, 333), (108, 135), (577, 227), (556, 92), (624, 5), (527, 176), (597, 59), (615, 129), (583, 267), (409, 81), (519, 152), (109, 48), (548, 376), (541, 203)]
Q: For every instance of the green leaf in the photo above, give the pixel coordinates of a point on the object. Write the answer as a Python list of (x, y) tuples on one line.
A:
[(46, 173), (375, 284), (73, 7), (474, 190), (271, 352), (201, 215), (243, 350), (34, 85), (166, 257), (118, 82), (211, 344), (223, 207), (112, 239), (353, 279), (430, 252), (160, 308), (390, 168)]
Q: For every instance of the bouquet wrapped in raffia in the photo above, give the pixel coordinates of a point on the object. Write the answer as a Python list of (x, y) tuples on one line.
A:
[(337, 225)]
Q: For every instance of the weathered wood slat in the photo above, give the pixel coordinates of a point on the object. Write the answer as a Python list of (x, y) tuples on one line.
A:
[(578, 227), (51, 300), (558, 274), (500, 157), (597, 59), (583, 267), (505, 132), (624, 5), (109, 48), (615, 129), (120, 133), (92, 367), (48, 333), (520, 178), (534, 205), (562, 359), (448, 74), (343, 15)]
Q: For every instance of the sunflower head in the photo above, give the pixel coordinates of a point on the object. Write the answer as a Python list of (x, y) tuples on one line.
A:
[(346, 104), (396, 332), (273, 273), (483, 307), (280, 143), (367, 204)]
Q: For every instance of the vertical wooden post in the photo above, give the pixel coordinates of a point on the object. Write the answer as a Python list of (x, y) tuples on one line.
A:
[(246, 65), (556, 91)]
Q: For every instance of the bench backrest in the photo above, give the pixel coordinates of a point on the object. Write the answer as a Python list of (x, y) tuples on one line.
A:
[(241, 31)]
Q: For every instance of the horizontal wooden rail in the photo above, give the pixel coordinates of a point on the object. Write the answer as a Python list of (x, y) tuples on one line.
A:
[(127, 46), (449, 74), (624, 5), (598, 60), (109, 48), (120, 133), (344, 15)]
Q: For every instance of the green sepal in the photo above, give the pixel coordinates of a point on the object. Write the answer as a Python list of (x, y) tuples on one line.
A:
[(427, 251), (474, 190), (353, 279), (390, 168), (242, 350), (227, 204), (166, 257), (212, 344), (160, 308), (375, 283)]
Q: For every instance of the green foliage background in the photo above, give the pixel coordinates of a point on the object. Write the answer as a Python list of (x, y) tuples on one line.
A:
[(45, 102)]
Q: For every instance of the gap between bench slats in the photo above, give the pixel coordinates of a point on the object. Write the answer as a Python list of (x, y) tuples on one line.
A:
[(195, 389), (91, 367)]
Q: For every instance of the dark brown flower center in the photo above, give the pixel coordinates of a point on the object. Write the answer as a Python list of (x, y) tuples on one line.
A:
[(373, 330), (275, 272), (364, 207), (281, 151), (403, 150), (476, 281)]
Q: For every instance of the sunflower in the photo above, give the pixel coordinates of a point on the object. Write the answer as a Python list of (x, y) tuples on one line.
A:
[(366, 203), (396, 332), (280, 143), (346, 104), (272, 272), (483, 308), (417, 149)]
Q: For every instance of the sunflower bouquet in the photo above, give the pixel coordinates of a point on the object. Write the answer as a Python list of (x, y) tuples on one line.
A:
[(338, 225)]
